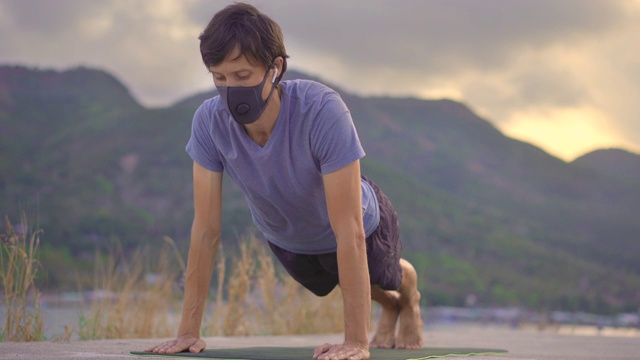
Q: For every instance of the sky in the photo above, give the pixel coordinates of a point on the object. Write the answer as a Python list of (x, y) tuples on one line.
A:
[(563, 75)]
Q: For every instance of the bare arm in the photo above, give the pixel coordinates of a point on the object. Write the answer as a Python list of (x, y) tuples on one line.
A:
[(343, 194), (205, 240)]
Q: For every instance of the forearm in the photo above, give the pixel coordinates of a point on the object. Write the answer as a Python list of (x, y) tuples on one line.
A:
[(355, 287), (200, 263)]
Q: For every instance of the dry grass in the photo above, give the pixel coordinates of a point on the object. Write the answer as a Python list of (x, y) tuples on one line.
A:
[(134, 296), (137, 295), (254, 300), (260, 302), (18, 269)]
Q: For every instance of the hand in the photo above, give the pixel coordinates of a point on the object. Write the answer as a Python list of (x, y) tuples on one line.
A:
[(346, 351), (182, 343)]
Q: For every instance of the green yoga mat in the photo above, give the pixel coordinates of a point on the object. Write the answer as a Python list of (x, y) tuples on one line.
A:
[(300, 353)]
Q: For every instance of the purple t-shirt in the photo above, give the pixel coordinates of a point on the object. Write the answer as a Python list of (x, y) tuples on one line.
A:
[(282, 181)]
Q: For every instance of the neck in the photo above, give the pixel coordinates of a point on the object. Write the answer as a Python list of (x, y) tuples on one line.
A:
[(260, 130)]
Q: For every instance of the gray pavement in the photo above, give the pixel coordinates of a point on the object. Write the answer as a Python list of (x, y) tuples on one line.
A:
[(523, 344)]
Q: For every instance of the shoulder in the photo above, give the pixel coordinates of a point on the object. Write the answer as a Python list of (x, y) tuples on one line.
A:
[(211, 113), (209, 107), (308, 90)]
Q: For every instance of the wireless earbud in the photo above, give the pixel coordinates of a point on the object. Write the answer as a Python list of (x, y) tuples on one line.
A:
[(275, 74)]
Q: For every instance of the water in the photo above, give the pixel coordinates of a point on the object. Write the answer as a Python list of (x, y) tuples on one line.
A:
[(56, 314), (65, 309)]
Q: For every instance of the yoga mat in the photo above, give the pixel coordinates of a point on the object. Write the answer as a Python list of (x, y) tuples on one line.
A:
[(304, 353)]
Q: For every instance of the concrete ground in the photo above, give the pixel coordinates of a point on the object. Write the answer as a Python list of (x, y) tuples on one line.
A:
[(522, 344)]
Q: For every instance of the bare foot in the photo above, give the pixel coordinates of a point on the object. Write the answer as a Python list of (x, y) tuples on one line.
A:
[(410, 332), (385, 336)]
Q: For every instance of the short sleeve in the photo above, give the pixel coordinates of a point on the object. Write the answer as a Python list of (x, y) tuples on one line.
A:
[(334, 138), (201, 146)]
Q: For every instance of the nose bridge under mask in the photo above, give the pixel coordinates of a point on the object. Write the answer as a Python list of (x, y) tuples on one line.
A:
[(245, 102), (240, 99)]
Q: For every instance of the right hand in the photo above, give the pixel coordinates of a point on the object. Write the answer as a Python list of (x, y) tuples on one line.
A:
[(346, 351), (182, 343)]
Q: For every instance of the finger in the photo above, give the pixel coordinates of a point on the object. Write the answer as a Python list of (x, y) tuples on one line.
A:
[(198, 346), (176, 347), (342, 353), (331, 354), (359, 355), (321, 350), (179, 347), (163, 345), (190, 344), (173, 350)]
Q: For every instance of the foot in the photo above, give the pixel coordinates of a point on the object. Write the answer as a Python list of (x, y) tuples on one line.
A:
[(410, 332), (385, 336)]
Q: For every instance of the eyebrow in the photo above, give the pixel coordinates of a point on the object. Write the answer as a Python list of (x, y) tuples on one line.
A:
[(232, 72)]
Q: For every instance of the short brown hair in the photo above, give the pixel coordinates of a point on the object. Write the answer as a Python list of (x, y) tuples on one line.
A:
[(241, 25)]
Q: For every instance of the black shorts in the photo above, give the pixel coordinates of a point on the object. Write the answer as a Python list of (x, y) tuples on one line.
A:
[(319, 273)]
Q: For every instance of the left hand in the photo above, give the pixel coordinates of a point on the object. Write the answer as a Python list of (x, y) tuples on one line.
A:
[(346, 351)]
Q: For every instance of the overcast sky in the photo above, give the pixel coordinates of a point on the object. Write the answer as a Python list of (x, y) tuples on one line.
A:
[(563, 75)]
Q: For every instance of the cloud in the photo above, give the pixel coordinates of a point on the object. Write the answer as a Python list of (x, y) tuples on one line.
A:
[(151, 45), (439, 36), (563, 131), (505, 59), (561, 64)]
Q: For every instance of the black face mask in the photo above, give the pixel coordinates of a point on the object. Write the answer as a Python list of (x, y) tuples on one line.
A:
[(245, 102)]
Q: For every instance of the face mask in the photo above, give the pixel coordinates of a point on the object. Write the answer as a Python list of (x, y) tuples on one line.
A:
[(245, 102)]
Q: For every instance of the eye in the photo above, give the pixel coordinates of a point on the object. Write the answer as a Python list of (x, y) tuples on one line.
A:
[(218, 80)]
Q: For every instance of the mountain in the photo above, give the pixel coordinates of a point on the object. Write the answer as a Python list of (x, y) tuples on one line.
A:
[(480, 213), (616, 162)]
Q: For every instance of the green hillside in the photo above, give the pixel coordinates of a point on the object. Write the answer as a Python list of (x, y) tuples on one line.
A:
[(614, 162), (480, 213)]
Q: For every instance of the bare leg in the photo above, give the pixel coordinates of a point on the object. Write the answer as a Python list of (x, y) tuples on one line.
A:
[(385, 336), (402, 305), (410, 319)]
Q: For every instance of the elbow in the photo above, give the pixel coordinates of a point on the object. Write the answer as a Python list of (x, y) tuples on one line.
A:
[(354, 238), (211, 235), (360, 239), (205, 233)]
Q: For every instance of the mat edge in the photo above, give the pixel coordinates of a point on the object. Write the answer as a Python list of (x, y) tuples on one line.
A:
[(186, 355)]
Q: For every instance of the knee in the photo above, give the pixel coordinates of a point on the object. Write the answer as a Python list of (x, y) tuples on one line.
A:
[(408, 271)]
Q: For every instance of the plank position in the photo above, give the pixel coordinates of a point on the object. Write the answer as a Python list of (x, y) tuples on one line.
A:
[(292, 148)]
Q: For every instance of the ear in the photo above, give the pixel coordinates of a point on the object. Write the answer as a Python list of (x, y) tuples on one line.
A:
[(277, 66)]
